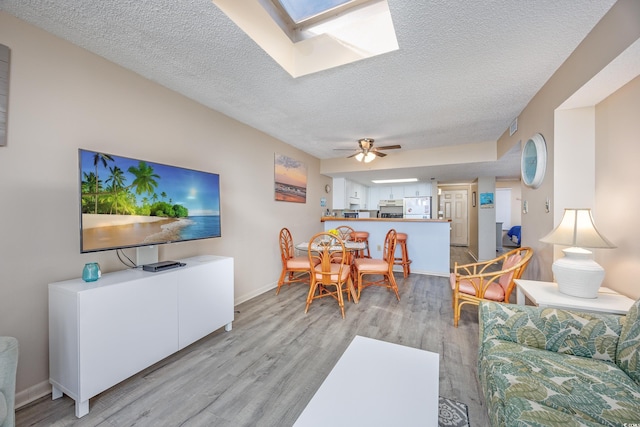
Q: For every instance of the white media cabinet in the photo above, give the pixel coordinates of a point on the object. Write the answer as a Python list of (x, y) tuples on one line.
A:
[(103, 332)]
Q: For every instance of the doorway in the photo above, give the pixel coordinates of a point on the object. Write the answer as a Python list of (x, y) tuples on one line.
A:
[(453, 204)]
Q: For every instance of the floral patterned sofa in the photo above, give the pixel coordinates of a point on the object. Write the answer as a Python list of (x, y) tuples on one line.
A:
[(552, 367)]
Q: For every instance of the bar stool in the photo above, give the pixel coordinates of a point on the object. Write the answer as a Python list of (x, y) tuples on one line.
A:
[(404, 261), (361, 236)]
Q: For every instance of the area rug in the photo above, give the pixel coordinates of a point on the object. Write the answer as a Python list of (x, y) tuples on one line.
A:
[(452, 413)]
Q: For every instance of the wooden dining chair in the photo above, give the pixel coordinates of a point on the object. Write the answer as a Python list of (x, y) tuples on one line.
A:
[(379, 267), (331, 275), (491, 280), (362, 237), (294, 268), (345, 233)]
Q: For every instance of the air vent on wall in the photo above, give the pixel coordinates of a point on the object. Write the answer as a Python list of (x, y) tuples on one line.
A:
[(513, 128)]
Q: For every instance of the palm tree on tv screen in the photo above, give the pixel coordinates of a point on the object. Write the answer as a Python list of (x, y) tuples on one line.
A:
[(145, 181), (100, 158), (116, 180), (90, 183)]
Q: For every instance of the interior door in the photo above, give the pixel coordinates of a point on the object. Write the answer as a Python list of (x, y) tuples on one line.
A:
[(453, 203)]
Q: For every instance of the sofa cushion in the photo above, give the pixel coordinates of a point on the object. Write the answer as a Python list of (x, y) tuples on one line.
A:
[(628, 352), (529, 386), (579, 334)]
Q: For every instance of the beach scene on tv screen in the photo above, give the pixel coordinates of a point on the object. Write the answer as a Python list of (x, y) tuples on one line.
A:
[(128, 202)]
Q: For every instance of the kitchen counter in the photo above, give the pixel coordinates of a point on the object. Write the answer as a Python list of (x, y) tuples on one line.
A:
[(428, 240), (338, 218)]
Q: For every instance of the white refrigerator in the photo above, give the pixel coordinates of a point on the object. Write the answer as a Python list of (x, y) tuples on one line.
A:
[(417, 207)]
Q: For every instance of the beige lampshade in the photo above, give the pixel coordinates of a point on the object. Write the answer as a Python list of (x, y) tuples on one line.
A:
[(577, 230)]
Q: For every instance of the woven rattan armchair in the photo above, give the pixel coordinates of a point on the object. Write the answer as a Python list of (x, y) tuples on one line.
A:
[(491, 280)]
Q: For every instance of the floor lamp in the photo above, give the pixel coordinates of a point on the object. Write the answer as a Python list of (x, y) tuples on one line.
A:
[(577, 274)]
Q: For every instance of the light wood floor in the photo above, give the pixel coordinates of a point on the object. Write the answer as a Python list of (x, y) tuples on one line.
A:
[(265, 371)]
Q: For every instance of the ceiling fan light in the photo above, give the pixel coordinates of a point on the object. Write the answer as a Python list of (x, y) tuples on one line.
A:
[(369, 157), (359, 157)]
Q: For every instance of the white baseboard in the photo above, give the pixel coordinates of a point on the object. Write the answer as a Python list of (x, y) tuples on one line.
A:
[(242, 298), (398, 269), (32, 394)]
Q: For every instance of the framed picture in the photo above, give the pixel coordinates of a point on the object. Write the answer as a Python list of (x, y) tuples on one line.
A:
[(474, 200), (486, 200), (290, 179)]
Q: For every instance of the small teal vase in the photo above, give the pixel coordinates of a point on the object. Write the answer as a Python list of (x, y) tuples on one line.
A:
[(91, 272)]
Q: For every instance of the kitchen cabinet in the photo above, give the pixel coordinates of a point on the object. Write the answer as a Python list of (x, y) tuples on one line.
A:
[(348, 194), (392, 192), (373, 198), (386, 192), (396, 192), (358, 192), (339, 193), (417, 190)]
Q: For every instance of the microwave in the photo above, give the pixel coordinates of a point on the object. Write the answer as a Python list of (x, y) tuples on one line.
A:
[(351, 214)]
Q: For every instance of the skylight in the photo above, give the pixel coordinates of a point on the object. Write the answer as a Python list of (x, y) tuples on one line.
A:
[(331, 32), (301, 10)]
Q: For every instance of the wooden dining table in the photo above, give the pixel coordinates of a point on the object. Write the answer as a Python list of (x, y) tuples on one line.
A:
[(349, 246)]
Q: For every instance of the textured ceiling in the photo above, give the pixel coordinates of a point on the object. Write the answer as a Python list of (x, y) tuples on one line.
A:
[(464, 70)]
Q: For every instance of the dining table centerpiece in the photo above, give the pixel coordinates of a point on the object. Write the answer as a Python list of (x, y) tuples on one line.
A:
[(333, 240)]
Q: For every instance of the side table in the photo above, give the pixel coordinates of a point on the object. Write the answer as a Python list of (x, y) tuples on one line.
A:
[(546, 294)]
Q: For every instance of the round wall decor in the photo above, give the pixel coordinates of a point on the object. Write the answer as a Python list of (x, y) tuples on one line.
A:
[(533, 163)]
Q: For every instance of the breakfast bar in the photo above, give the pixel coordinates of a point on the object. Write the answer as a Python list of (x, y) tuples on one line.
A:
[(427, 243)]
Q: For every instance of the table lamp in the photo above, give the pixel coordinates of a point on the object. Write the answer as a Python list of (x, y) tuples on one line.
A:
[(577, 274)]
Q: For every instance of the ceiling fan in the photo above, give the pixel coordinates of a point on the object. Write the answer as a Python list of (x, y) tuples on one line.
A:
[(367, 152)]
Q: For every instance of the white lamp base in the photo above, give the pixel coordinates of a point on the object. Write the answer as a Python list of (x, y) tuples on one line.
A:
[(578, 274)]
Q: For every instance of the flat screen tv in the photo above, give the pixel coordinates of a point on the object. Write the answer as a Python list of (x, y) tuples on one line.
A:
[(128, 203)]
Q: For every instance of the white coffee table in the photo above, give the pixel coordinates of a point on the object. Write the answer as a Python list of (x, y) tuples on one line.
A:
[(376, 383), (546, 294)]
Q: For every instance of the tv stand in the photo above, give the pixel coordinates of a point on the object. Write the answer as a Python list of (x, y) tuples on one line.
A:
[(103, 332)]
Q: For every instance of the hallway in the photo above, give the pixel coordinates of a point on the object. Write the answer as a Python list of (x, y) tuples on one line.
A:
[(461, 255)]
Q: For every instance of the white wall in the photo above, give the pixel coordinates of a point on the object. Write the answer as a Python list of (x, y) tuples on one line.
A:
[(62, 98), (486, 220), (617, 175), (516, 199), (574, 153), (616, 31)]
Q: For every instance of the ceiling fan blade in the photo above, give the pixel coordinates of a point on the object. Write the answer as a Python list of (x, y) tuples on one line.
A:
[(377, 153), (389, 147), (353, 155), (345, 149)]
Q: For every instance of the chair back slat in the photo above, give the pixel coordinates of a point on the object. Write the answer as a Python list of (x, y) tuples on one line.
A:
[(293, 268), (389, 251), (286, 245), (345, 232)]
